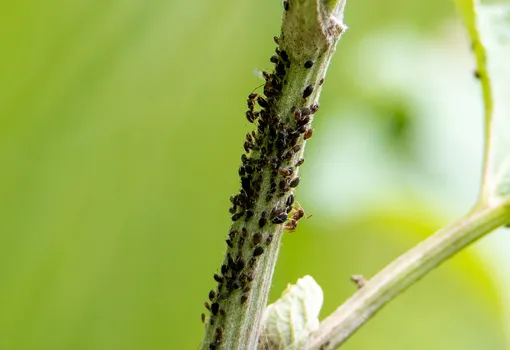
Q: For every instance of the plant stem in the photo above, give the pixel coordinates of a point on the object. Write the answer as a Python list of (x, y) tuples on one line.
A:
[(405, 271), (309, 34)]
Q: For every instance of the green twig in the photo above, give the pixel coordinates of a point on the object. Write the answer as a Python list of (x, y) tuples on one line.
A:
[(404, 272), (309, 35)]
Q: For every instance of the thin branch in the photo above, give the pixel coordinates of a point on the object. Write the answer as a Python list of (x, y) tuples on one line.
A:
[(269, 171), (405, 271)]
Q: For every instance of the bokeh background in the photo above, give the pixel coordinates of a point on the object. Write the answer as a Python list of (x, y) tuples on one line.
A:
[(121, 128)]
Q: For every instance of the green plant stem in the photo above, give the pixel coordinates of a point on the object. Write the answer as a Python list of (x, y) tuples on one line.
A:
[(404, 272), (309, 35)]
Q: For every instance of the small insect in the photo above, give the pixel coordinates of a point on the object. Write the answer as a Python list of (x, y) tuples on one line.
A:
[(306, 111), (250, 116), (224, 270), (215, 308), (308, 133), (241, 242), (230, 261), (280, 143), (232, 234), (219, 333), (244, 297), (262, 102), (237, 216), (262, 220), (315, 108), (276, 40), (203, 318), (307, 91), (286, 5), (247, 146), (280, 219), (298, 214), (308, 64), (212, 295), (269, 239), (284, 55), (257, 238), (250, 276), (300, 162), (239, 265), (207, 306), (289, 154), (291, 225), (303, 121), (294, 182), (285, 171), (280, 69), (296, 148), (275, 212), (321, 81), (258, 251), (218, 278), (229, 243), (290, 200)]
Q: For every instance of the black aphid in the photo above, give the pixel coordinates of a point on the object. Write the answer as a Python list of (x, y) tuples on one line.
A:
[(307, 91), (257, 238), (258, 251), (218, 278), (290, 200), (237, 216), (215, 307), (280, 219)]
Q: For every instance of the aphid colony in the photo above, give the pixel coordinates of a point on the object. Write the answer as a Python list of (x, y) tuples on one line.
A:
[(268, 172)]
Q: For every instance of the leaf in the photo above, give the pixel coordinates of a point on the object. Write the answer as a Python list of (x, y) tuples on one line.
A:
[(289, 320), (489, 28)]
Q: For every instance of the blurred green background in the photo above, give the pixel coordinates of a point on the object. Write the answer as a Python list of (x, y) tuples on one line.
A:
[(121, 128)]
